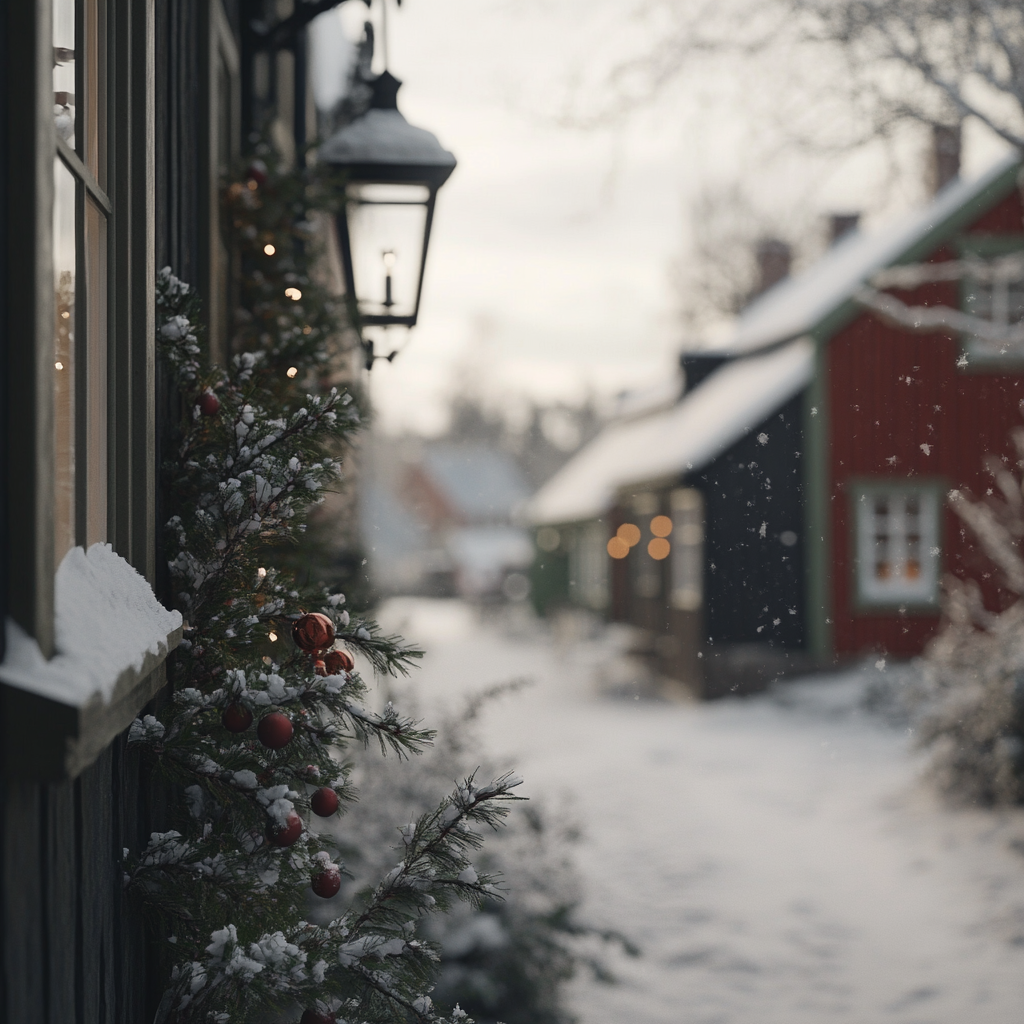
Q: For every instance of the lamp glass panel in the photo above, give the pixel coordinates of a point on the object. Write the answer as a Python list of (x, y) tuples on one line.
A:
[(386, 226)]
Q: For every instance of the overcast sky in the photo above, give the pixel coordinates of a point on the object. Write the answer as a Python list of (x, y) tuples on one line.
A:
[(548, 272)]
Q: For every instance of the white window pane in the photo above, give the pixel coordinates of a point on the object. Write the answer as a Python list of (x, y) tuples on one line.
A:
[(64, 69), (898, 546), (64, 282)]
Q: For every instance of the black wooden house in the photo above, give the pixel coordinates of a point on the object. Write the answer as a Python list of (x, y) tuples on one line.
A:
[(118, 119), (699, 504)]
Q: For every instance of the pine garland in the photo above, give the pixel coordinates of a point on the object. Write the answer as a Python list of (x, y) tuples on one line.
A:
[(252, 456)]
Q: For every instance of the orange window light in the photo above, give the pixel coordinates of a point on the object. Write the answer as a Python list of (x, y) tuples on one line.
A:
[(618, 548), (661, 526), (629, 533), (659, 548)]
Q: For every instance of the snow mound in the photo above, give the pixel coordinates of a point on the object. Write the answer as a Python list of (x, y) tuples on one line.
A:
[(107, 621)]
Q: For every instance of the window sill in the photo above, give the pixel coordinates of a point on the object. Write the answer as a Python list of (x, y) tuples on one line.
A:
[(112, 637)]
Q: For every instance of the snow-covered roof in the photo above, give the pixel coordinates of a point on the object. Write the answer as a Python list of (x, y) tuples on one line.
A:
[(798, 304), (480, 483), (384, 136), (715, 415)]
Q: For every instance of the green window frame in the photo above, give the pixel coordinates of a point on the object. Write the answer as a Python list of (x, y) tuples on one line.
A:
[(896, 543), (1002, 302)]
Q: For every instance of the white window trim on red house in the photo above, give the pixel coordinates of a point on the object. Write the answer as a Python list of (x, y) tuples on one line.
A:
[(898, 545)]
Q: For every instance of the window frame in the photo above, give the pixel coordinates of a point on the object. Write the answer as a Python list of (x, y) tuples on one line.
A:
[(42, 737), (218, 267), (985, 246), (859, 491), (680, 503)]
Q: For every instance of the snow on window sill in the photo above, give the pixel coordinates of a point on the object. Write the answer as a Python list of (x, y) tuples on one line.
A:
[(111, 637)]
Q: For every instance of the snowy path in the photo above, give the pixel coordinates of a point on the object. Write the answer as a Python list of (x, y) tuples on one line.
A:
[(778, 864)]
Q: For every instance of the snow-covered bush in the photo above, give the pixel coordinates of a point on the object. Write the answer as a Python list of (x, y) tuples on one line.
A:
[(504, 960), (974, 669)]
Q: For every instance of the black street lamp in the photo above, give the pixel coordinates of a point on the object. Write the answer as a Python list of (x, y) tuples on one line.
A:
[(392, 172)]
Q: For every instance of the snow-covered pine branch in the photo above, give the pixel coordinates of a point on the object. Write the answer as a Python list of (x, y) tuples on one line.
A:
[(973, 716)]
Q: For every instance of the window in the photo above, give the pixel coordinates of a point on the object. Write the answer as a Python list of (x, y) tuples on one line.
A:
[(221, 100), (1000, 300), (646, 571), (687, 549), (897, 546), (588, 565), (80, 338)]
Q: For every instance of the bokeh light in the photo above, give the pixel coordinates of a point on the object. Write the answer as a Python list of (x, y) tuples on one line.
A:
[(618, 548), (659, 548), (661, 526), (628, 533)]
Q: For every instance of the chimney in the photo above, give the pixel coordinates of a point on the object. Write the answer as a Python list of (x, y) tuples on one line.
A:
[(840, 225), (773, 260), (945, 156)]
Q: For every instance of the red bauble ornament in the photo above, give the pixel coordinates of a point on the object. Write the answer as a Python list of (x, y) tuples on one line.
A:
[(324, 802), (313, 632), (209, 404), (287, 835), (315, 1017), (319, 668), (327, 883), (275, 730), (337, 662), (257, 171), (236, 718)]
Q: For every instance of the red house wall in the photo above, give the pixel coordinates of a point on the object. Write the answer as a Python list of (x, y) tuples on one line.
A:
[(889, 392)]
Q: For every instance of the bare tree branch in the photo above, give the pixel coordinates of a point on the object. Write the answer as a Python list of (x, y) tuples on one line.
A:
[(939, 319)]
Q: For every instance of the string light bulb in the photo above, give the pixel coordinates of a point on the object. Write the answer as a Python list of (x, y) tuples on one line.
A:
[(269, 249), (292, 371), (293, 293), (261, 572), (273, 636), (59, 365)]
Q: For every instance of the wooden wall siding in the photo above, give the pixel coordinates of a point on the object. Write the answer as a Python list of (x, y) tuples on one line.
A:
[(178, 84), (877, 416), (1005, 218), (72, 949), (751, 484)]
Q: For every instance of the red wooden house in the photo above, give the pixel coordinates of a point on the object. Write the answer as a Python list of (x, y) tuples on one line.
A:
[(894, 419)]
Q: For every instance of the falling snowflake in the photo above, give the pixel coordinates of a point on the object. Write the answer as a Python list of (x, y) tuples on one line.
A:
[(762, 438), (892, 460), (962, 361), (814, 410), (926, 448), (763, 532), (880, 664)]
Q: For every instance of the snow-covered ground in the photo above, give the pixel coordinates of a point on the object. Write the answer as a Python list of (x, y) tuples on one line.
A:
[(777, 858)]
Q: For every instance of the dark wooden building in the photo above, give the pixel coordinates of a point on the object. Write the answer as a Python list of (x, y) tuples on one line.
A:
[(118, 119)]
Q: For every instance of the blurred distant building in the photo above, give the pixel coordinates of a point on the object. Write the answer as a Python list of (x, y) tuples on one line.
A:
[(439, 515)]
